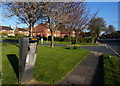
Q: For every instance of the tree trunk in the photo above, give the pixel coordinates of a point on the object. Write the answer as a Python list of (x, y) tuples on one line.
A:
[(69, 38), (77, 36), (96, 38), (52, 39), (31, 30), (76, 39)]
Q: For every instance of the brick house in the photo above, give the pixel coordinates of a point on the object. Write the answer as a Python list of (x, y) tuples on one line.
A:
[(21, 31), (39, 30), (66, 32), (6, 29), (57, 33), (42, 30)]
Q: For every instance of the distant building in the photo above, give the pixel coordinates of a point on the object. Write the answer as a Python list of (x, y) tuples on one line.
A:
[(21, 31), (42, 30), (6, 29)]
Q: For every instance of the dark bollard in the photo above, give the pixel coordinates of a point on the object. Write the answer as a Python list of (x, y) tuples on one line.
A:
[(23, 49), (27, 57)]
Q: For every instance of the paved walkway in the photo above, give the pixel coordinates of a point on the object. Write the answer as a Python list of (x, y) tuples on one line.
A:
[(88, 72)]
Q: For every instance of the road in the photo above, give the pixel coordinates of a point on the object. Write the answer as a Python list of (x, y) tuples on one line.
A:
[(113, 44), (112, 47)]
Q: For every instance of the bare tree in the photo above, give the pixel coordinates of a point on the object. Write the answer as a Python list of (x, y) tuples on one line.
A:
[(76, 16), (56, 13), (79, 18), (27, 12), (84, 19)]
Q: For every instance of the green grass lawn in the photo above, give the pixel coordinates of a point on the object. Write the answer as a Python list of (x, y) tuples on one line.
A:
[(67, 43), (111, 70), (57, 42), (8, 38), (52, 64), (8, 74)]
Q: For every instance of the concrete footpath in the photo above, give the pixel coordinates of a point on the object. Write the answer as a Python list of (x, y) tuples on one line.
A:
[(88, 72)]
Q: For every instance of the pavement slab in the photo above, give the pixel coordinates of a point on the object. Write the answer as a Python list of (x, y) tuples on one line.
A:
[(87, 72)]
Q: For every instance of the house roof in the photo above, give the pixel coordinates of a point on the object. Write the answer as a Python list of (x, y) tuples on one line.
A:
[(27, 29), (64, 31), (21, 29), (6, 28), (39, 28)]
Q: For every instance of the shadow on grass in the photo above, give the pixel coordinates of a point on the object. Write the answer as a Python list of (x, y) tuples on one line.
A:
[(68, 48), (14, 61), (74, 47), (98, 76)]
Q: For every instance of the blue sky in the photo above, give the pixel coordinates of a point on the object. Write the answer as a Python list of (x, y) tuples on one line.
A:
[(108, 10)]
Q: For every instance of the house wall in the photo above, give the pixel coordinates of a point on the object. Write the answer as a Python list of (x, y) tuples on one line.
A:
[(72, 34), (16, 31), (7, 31), (46, 32)]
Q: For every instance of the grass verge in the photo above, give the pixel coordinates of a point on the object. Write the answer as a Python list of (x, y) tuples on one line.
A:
[(8, 74), (67, 43), (53, 64), (57, 42), (111, 70)]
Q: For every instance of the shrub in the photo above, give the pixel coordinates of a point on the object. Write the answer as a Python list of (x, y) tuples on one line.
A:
[(4, 34), (49, 38), (16, 34), (57, 38), (86, 40), (44, 38), (73, 39), (66, 38)]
